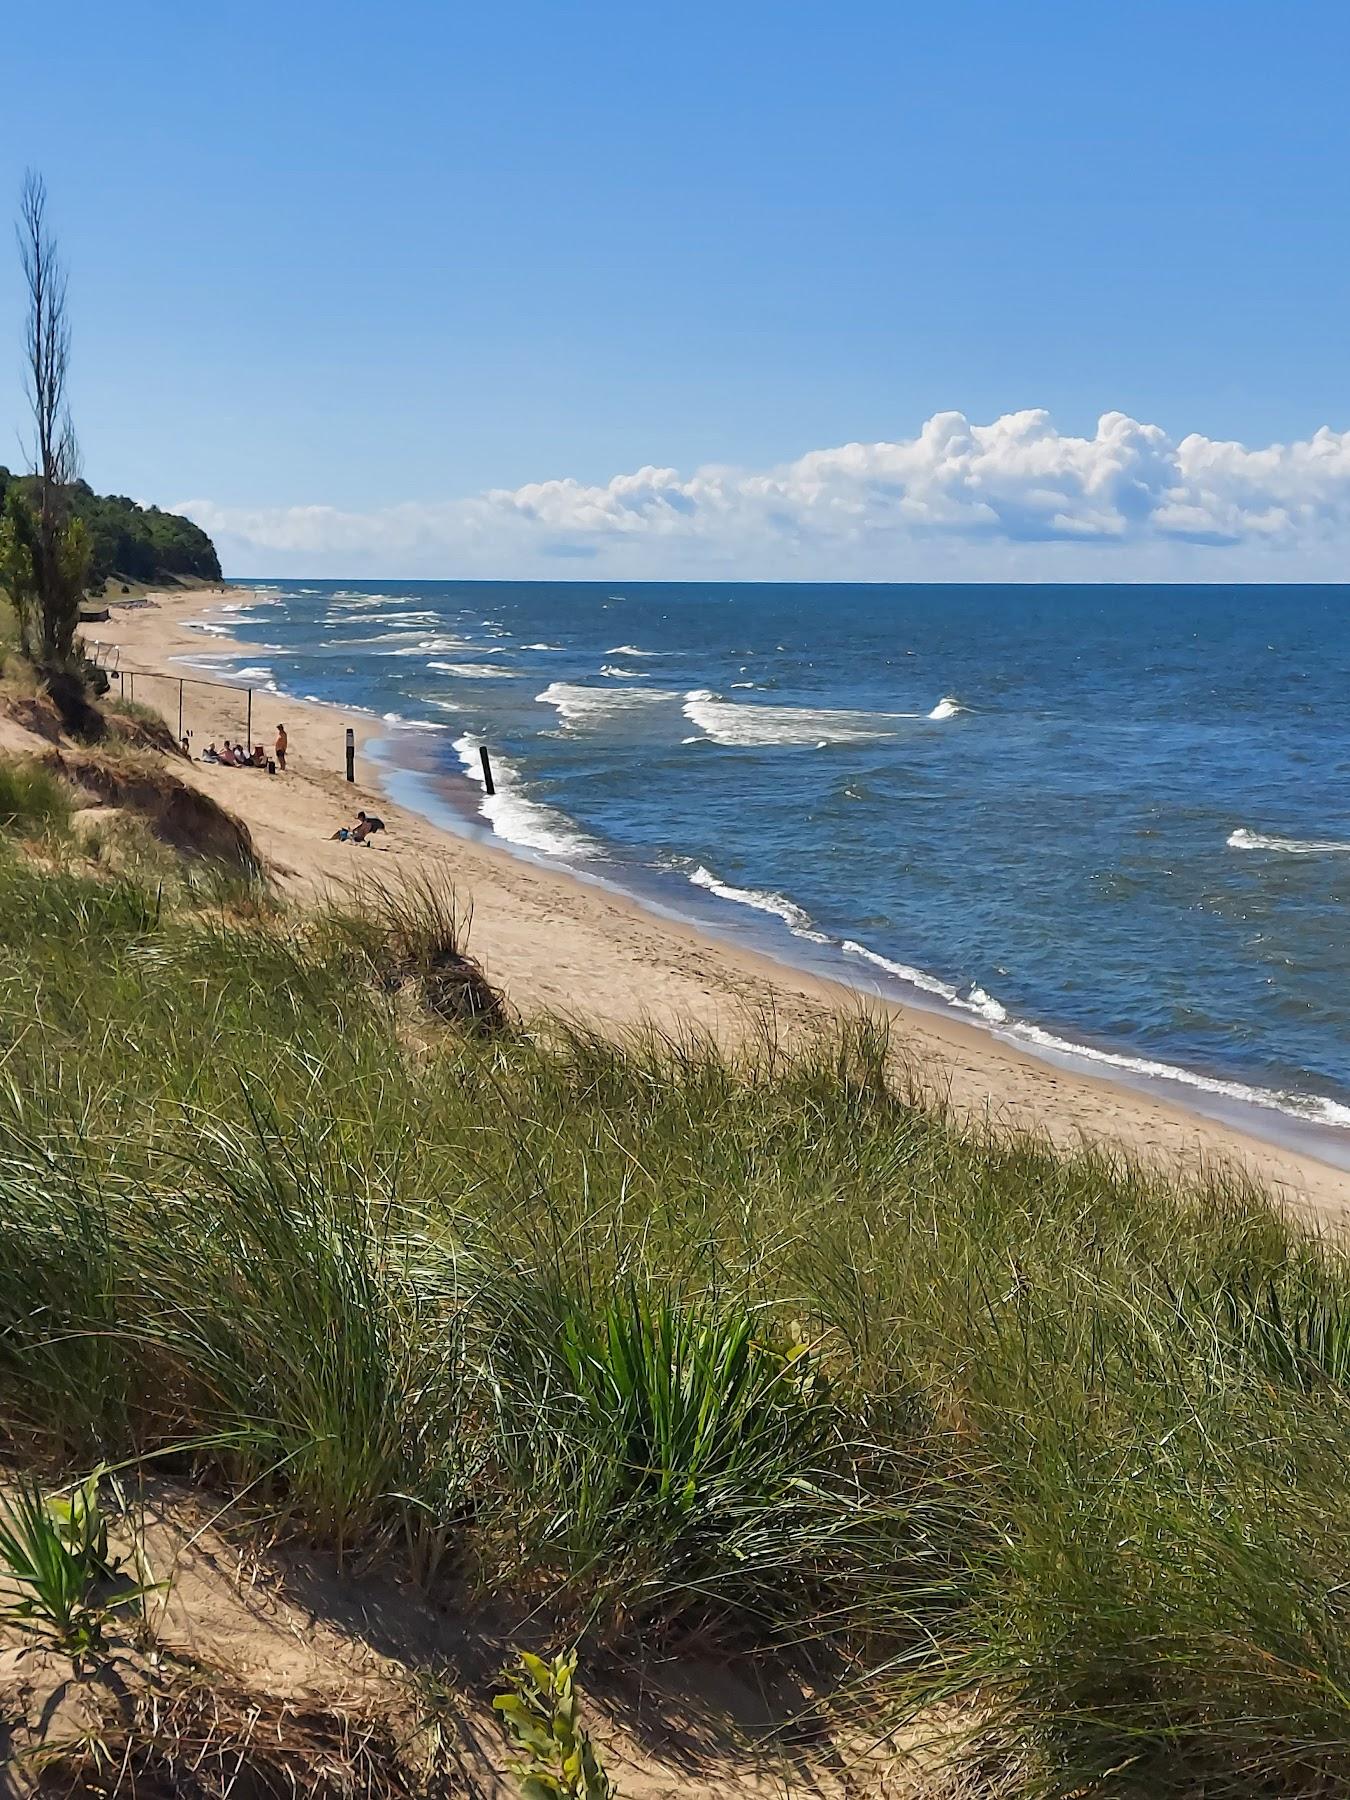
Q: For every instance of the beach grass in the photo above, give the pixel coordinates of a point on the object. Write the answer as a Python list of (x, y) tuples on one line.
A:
[(755, 1351)]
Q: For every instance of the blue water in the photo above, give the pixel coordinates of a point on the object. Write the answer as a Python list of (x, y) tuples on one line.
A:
[(1117, 817)]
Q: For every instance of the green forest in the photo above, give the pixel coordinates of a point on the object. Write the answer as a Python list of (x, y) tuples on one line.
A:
[(136, 543)]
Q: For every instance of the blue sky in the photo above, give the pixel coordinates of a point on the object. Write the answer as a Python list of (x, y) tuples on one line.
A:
[(380, 262)]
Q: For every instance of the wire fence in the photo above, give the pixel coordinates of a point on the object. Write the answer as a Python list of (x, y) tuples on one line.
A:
[(173, 696)]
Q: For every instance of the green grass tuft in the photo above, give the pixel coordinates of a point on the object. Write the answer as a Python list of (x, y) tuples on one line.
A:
[(33, 801)]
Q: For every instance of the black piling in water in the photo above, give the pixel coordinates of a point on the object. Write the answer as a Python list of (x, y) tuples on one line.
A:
[(488, 783)]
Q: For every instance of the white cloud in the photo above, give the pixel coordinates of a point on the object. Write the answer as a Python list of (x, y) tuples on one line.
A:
[(1015, 499)]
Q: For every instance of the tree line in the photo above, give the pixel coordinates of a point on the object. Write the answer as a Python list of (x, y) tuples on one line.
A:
[(137, 543)]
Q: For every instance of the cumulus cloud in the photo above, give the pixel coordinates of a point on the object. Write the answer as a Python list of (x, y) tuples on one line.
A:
[(1016, 499)]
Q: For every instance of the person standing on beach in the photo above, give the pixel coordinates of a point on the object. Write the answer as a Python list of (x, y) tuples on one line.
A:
[(281, 748)]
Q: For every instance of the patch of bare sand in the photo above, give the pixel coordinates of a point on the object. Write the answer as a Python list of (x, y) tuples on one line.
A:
[(556, 943), (243, 1633)]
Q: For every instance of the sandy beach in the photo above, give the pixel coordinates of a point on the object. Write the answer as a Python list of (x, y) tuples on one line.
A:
[(554, 942)]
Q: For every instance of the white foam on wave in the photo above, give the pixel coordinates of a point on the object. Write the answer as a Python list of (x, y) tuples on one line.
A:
[(438, 645), (475, 671), (946, 708), (210, 629), (1242, 839), (793, 916), (400, 723), (629, 650), (917, 978), (613, 672), (519, 819), (260, 672), (578, 706), (541, 646), (739, 726), (386, 615), (1313, 1107)]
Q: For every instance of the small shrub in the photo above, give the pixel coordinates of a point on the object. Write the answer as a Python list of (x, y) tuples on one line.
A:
[(55, 1547), (554, 1756)]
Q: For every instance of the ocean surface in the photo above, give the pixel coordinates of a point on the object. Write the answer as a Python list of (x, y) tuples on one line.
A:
[(1111, 822)]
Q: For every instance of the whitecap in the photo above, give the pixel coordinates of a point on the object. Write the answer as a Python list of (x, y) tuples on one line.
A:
[(613, 672), (579, 706), (474, 671), (629, 650), (739, 726), (385, 616), (1242, 839)]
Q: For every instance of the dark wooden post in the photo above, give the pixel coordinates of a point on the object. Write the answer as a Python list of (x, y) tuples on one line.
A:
[(180, 710), (248, 730), (487, 769), (351, 754)]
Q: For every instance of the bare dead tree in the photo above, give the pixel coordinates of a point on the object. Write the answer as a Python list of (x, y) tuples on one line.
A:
[(59, 550)]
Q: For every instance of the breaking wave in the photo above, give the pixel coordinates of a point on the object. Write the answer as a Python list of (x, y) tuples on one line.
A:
[(1313, 1107), (1242, 839), (519, 819), (739, 725), (474, 671), (580, 706), (793, 916)]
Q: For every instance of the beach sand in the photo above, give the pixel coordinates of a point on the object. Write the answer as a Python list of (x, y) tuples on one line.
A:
[(554, 942)]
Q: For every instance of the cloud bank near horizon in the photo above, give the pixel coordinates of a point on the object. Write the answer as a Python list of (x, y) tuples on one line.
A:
[(1015, 499)]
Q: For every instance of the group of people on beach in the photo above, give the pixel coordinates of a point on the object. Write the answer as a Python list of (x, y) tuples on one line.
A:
[(238, 756)]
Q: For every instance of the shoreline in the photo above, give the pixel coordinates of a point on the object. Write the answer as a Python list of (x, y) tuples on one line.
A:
[(557, 939)]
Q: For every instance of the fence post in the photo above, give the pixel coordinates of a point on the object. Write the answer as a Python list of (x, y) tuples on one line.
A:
[(180, 710), (351, 754), (248, 729), (133, 685), (487, 770)]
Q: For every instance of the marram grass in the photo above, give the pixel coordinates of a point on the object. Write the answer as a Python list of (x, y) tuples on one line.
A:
[(752, 1351)]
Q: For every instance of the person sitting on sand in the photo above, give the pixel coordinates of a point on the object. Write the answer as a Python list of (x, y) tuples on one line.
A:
[(259, 757), (226, 755), (211, 754), (367, 824), (281, 743)]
